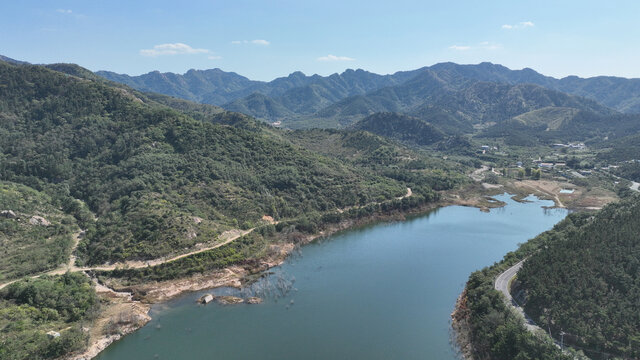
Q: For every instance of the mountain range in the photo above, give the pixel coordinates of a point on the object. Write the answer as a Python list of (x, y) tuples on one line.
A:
[(339, 100)]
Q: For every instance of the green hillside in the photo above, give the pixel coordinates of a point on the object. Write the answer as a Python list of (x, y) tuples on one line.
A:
[(587, 281), (147, 170), (35, 235), (400, 127), (29, 309)]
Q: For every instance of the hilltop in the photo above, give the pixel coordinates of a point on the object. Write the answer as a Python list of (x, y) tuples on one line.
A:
[(340, 99)]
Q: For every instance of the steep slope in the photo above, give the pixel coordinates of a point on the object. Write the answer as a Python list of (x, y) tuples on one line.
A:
[(468, 100), (625, 148), (618, 93), (147, 170), (400, 98), (337, 100), (12, 61), (587, 281), (400, 127), (559, 124), (35, 235), (487, 101), (259, 106), (217, 87), (209, 86)]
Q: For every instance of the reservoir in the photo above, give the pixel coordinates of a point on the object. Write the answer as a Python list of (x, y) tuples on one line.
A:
[(384, 291)]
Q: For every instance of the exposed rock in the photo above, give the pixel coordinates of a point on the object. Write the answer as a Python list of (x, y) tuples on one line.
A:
[(254, 300), (53, 334), (268, 219), (207, 298), (197, 220), (9, 214), (39, 220), (229, 300)]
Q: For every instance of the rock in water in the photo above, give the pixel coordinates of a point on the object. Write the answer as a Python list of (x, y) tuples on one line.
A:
[(229, 300), (205, 299)]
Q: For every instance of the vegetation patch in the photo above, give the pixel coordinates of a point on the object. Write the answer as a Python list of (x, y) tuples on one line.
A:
[(43, 318)]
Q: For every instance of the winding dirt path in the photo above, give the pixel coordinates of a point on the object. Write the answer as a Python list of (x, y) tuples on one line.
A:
[(70, 265), (155, 262), (231, 235)]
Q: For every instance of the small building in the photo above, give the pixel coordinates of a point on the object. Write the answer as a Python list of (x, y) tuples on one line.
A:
[(53, 334), (545, 165)]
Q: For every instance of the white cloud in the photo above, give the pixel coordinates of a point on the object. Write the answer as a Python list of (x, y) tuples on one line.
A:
[(335, 58), (260, 42), (172, 49), (520, 25), (69, 12), (459, 47), (214, 57)]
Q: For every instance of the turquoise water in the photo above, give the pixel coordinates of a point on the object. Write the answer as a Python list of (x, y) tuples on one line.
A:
[(380, 292)]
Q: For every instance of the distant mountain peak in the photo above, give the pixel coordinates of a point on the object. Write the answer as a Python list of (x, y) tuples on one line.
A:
[(12, 61)]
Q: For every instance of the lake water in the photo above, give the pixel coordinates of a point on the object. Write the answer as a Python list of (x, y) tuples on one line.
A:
[(380, 292)]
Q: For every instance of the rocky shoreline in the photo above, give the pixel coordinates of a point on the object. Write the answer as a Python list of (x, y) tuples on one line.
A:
[(461, 334), (234, 276)]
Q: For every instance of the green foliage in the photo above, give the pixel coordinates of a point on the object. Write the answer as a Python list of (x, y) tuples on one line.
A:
[(30, 308), (236, 252), (147, 170), (534, 128), (27, 248), (587, 282), (400, 127), (629, 170), (622, 149), (496, 331)]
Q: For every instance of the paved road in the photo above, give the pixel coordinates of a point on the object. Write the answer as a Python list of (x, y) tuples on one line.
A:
[(502, 284)]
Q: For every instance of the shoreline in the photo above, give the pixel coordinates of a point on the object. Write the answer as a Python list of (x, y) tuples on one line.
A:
[(461, 334), (234, 276)]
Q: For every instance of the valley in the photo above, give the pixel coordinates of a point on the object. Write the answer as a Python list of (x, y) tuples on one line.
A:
[(124, 199)]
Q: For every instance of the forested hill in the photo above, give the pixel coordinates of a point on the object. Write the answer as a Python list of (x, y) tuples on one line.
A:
[(340, 99), (218, 87), (147, 171), (401, 127), (586, 282)]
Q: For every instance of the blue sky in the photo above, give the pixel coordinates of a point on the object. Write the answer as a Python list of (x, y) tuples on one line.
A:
[(267, 39)]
